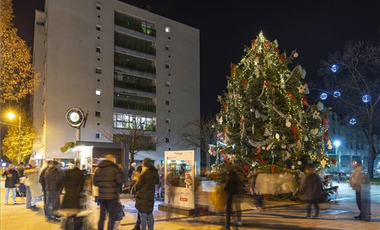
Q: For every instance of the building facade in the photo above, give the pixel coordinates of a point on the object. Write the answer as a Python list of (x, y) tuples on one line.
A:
[(123, 66), (349, 143)]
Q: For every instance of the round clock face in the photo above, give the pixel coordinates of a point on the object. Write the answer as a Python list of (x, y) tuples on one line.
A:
[(75, 117)]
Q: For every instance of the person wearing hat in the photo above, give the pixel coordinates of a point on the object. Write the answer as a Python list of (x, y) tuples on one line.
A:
[(33, 187)]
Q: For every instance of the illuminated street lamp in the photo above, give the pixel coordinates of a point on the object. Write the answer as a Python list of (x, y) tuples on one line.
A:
[(337, 144), (11, 116)]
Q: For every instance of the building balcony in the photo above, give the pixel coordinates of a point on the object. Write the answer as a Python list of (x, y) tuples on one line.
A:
[(134, 44), (135, 24), (134, 105), (135, 86)]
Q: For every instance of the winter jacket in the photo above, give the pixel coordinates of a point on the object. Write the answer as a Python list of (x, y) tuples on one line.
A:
[(73, 182), (12, 178), (356, 179), (108, 177), (42, 177), (145, 188), (53, 179), (233, 183), (31, 180), (312, 188)]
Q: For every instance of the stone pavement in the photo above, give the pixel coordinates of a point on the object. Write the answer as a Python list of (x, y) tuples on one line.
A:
[(276, 215)]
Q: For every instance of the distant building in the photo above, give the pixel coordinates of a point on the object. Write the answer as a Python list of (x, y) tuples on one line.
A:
[(121, 64), (353, 144)]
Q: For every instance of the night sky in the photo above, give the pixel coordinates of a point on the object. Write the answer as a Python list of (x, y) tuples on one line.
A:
[(313, 28)]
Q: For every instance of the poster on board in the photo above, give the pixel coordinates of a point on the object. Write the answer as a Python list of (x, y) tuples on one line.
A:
[(179, 178)]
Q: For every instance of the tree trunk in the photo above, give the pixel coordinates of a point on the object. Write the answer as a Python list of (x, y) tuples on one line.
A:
[(132, 157), (372, 153)]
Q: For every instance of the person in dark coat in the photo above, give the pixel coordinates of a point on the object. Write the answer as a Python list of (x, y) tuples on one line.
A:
[(145, 188), (108, 177), (12, 179), (232, 187), (54, 185), (41, 180), (311, 191), (73, 183)]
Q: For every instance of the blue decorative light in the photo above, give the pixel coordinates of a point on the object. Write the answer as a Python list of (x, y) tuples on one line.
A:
[(352, 121), (323, 96), (366, 98), (337, 94), (334, 68)]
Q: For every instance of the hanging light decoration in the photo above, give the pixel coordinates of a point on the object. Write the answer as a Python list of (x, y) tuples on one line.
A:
[(352, 121), (323, 96), (337, 94), (366, 98), (334, 68)]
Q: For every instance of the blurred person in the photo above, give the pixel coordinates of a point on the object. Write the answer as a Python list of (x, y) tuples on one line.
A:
[(108, 178), (258, 198), (131, 170), (73, 183), (360, 183), (84, 170), (311, 191), (232, 187), (21, 169), (41, 180), (33, 188), (145, 193), (12, 179), (135, 179), (53, 186)]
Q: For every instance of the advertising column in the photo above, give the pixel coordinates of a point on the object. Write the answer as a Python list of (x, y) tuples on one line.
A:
[(179, 178)]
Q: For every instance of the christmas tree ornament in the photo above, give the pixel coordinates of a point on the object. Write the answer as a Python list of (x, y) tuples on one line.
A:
[(288, 124), (299, 162), (306, 139), (320, 106), (266, 132), (323, 163), (314, 131), (295, 54), (316, 115), (293, 167), (277, 136)]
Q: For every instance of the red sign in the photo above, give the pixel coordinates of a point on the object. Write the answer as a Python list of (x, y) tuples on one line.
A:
[(184, 199)]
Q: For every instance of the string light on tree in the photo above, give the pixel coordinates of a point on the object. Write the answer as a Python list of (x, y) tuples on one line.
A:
[(337, 94), (366, 98), (323, 96), (352, 121), (334, 68)]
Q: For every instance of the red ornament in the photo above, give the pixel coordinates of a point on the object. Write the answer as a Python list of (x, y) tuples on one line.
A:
[(244, 83), (258, 150), (224, 128), (225, 105), (253, 44), (296, 132), (232, 69), (326, 135), (305, 102), (292, 96), (325, 123)]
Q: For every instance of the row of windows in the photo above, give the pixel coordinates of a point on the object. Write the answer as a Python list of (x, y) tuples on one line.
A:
[(130, 121)]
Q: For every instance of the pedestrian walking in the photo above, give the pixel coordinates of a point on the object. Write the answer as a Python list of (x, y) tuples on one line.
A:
[(360, 183), (131, 170), (33, 187), (232, 187), (108, 178), (54, 186), (145, 193), (311, 191), (12, 179), (73, 182)]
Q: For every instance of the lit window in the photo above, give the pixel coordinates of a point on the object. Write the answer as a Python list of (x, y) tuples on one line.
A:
[(97, 136), (167, 65), (98, 92), (99, 6), (98, 27), (98, 70), (167, 29)]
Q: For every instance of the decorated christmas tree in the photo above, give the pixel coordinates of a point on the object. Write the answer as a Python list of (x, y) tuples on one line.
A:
[(265, 119)]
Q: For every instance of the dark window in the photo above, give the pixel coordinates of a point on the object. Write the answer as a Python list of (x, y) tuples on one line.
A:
[(98, 6), (98, 27), (167, 47), (167, 121), (97, 135), (167, 65), (98, 114), (98, 70), (98, 49), (167, 102), (167, 139)]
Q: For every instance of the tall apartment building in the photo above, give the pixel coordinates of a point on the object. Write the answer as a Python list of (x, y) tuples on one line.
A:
[(353, 144), (122, 64)]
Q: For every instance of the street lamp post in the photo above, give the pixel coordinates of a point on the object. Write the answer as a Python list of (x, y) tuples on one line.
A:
[(11, 116), (337, 144)]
